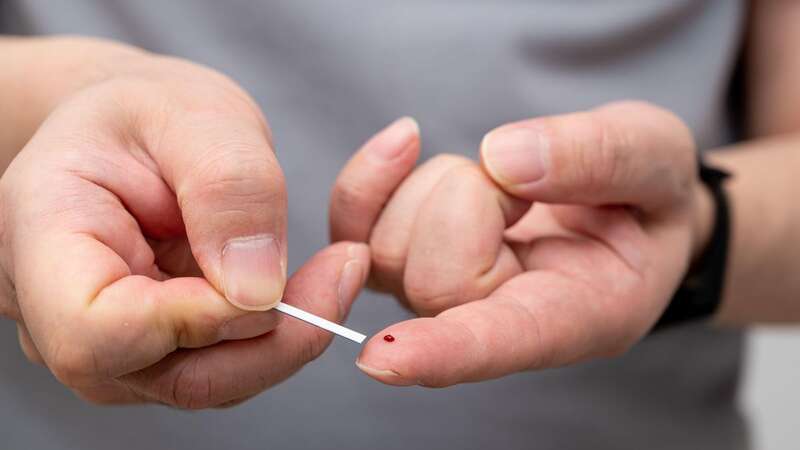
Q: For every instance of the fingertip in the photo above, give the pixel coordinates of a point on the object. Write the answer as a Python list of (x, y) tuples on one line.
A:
[(385, 376), (484, 160), (409, 122), (368, 180), (263, 307), (515, 156), (253, 272), (387, 361), (424, 352), (394, 141)]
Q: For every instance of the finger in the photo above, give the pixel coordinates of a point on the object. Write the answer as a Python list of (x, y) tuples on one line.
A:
[(174, 257), (391, 235), (457, 252), (218, 159), (536, 320), (215, 155), (134, 322), (622, 153), (27, 345), (8, 297), (326, 286), (97, 316), (367, 181), (109, 392)]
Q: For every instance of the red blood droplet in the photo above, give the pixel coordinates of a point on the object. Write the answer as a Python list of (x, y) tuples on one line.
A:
[(388, 338)]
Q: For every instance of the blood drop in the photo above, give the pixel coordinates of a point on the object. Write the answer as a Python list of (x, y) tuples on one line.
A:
[(388, 338)]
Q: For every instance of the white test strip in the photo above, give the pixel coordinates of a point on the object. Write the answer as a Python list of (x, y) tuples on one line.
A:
[(307, 317)]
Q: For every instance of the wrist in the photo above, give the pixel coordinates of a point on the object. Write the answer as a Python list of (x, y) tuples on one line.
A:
[(700, 293)]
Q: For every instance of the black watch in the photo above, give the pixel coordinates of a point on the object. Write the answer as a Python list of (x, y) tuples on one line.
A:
[(700, 293)]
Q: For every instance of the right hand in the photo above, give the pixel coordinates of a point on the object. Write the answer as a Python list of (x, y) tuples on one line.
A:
[(144, 218)]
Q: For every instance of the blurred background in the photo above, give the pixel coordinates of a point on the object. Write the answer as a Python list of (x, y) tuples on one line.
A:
[(771, 391), (772, 369)]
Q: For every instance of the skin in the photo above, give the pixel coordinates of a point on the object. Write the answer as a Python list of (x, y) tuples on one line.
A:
[(512, 272), (132, 175), (503, 285), (143, 230)]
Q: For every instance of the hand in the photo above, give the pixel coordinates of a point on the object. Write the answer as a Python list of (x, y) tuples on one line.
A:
[(582, 274), (141, 221)]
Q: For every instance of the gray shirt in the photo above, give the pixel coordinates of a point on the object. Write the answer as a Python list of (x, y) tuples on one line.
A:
[(328, 74)]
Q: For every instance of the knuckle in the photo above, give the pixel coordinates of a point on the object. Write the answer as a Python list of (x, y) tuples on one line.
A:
[(682, 147), (122, 91), (235, 173), (224, 96), (599, 163), (434, 305), (594, 162), (156, 78), (426, 298), (123, 86)]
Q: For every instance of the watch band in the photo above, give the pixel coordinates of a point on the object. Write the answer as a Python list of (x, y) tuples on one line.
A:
[(700, 293)]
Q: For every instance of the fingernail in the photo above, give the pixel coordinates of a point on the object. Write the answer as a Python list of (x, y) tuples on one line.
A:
[(395, 139), (384, 375), (253, 274), (249, 325), (353, 275), (515, 156)]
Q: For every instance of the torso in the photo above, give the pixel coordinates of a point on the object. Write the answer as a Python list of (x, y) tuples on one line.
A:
[(328, 75)]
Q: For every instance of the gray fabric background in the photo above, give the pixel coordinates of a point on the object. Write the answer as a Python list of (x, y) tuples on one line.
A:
[(328, 74)]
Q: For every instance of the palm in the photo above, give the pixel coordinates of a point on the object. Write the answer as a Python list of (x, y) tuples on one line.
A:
[(582, 243), (586, 260)]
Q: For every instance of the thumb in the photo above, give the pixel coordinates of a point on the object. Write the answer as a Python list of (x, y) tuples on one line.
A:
[(629, 153), (232, 196)]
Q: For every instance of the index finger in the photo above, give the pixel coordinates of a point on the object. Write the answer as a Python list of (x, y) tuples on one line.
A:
[(536, 320)]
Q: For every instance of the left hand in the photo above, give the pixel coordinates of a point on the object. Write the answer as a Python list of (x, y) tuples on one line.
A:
[(583, 274)]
